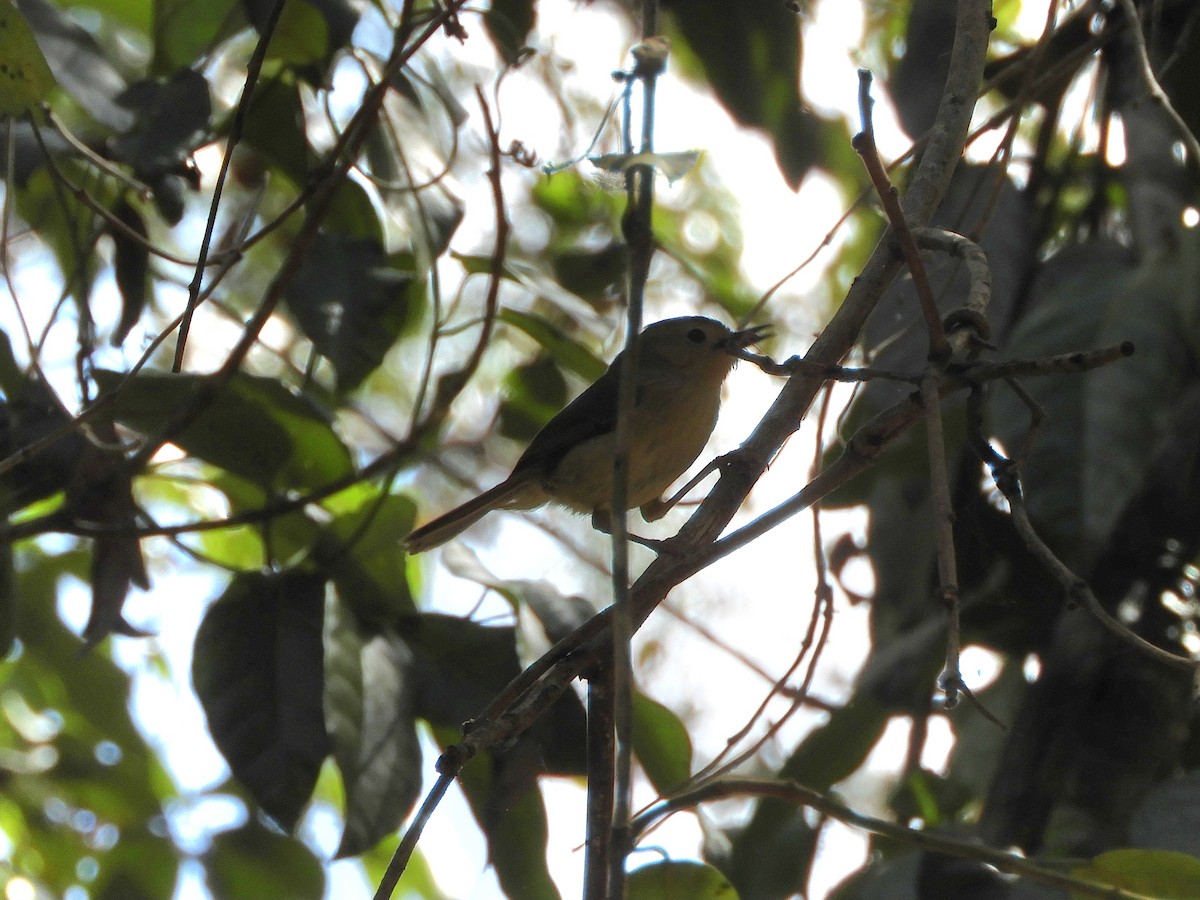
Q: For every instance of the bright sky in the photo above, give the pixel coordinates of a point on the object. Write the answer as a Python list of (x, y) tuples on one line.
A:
[(738, 598)]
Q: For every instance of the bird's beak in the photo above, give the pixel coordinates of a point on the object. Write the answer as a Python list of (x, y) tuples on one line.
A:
[(737, 342)]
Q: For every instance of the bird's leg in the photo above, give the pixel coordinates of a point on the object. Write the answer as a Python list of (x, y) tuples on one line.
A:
[(656, 509), (602, 521)]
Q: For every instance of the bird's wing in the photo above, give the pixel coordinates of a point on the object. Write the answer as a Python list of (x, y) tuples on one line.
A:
[(591, 414)]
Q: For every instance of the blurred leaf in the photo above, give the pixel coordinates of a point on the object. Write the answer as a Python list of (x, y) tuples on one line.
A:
[(589, 272), (1100, 427), (569, 353), (253, 427), (139, 867), (508, 24), (8, 601), (300, 36), (258, 671), (276, 128), (80, 66), (353, 304), (31, 414), (25, 78), (288, 537), (678, 880), (352, 215), (312, 35), (662, 744), (62, 221), (359, 550), (1162, 874), (95, 767), (253, 863), (752, 62), (131, 265), (185, 30), (672, 166), (1169, 816), (533, 393), (369, 708), (172, 120), (771, 855)]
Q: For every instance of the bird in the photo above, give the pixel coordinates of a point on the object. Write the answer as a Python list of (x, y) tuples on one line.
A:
[(681, 365)]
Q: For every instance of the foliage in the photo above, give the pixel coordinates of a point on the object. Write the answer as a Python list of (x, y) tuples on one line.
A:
[(359, 332)]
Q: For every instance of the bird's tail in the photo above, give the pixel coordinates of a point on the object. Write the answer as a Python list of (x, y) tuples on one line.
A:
[(505, 495)]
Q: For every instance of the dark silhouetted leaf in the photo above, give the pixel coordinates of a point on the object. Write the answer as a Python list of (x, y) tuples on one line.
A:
[(508, 24), (461, 665), (31, 414), (259, 673), (369, 708), (1101, 427), (101, 492), (592, 274), (275, 127), (254, 427), (172, 118), (752, 61), (352, 304), (131, 264)]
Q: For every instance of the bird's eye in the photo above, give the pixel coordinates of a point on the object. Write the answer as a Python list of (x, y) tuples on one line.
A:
[(696, 336)]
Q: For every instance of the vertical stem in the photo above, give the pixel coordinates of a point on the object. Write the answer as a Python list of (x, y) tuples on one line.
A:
[(636, 225), (600, 752)]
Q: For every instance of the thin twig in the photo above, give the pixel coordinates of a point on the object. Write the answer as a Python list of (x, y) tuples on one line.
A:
[(1153, 88), (864, 145), (799, 795), (253, 70)]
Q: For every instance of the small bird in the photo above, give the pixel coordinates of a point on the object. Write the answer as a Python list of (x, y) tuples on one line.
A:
[(682, 364)]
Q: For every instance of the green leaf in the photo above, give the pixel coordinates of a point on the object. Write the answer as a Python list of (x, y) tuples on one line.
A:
[(353, 304), (369, 702), (1161, 874), (253, 426), (359, 550), (185, 30), (566, 351), (662, 744), (275, 126), (25, 78), (301, 35), (253, 863), (258, 670), (679, 881), (533, 393)]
